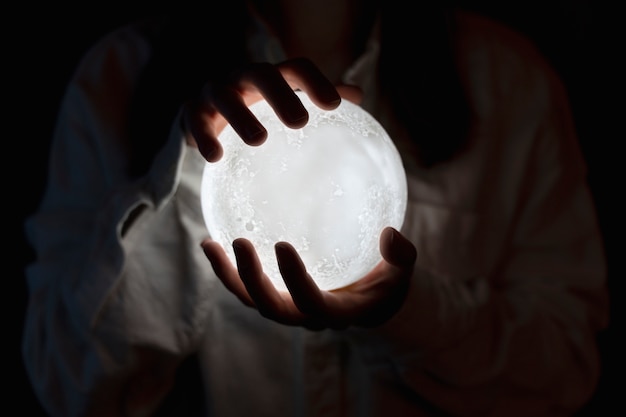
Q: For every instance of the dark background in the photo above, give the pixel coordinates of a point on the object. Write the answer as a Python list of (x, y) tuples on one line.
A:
[(42, 46)]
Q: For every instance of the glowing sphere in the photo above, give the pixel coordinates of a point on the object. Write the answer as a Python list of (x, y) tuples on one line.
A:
[(328, 188)]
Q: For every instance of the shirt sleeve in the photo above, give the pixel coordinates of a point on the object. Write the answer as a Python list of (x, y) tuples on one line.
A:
[(515, 334), (100, 322)]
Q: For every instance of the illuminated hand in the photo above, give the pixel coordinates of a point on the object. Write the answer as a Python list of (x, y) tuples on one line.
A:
[(368, 302), (222, 104)]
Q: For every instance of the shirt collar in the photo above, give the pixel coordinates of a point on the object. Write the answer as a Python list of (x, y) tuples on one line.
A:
[(264, 46)]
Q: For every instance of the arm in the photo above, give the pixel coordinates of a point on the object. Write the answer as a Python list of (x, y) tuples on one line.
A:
[(100, 320), (523, 332)]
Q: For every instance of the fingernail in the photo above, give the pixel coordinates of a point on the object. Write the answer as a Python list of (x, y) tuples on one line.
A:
[(238, 249), (207, 151), (298, 118), (280, 249), (255, 135), (391, 237)]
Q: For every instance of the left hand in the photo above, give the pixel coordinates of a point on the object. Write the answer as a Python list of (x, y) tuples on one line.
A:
[(369, 302), (226, 102)]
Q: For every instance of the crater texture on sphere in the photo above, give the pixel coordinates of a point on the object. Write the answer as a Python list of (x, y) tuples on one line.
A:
[(329, 189)]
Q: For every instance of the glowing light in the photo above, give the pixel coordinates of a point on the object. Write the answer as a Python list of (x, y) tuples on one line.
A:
[(329, 189)]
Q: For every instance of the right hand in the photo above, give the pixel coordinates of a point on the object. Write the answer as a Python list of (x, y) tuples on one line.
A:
[(369, 302)]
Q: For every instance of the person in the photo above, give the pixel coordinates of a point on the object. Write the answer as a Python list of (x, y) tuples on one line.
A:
[(487, 301)]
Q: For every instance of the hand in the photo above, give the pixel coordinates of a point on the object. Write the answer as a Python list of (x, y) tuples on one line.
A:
[(368, 302), (227, 103)]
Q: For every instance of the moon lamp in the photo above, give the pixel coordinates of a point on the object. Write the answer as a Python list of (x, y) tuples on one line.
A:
[(329, 189)]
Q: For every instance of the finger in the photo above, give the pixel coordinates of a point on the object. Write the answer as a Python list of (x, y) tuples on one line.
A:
[(266, 80), (267, 299), (228, 102), (304, 291), (225, 271), (197, 121), (302, 74), (351, 93), (396, 249)]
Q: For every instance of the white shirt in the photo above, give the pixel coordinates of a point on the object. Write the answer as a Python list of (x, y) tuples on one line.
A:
[(506, 299)]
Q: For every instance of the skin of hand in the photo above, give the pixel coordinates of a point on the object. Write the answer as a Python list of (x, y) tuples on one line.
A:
[(368, 302), (220, 104)]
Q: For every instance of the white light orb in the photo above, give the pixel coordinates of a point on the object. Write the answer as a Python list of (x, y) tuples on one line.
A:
[(329, 189)]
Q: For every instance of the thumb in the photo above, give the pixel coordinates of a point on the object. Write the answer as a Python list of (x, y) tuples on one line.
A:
[(351, 93), (397, 249)]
